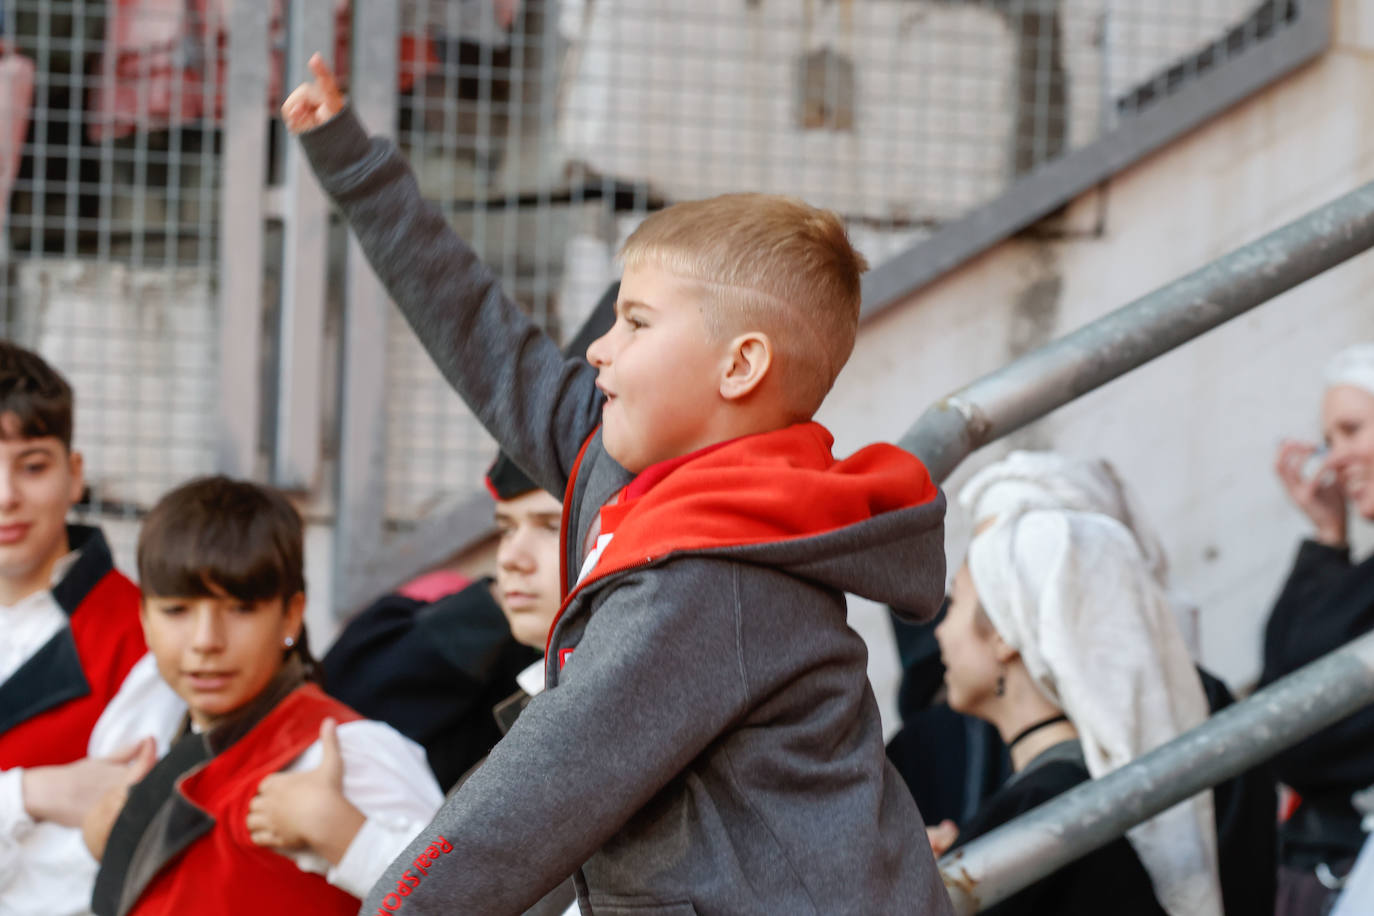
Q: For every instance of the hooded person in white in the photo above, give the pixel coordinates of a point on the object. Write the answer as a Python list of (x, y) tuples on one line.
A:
[(1050, 480), (1073, 594)]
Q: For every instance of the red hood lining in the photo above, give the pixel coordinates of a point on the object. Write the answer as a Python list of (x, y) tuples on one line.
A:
[(776, 486), (768, 488)]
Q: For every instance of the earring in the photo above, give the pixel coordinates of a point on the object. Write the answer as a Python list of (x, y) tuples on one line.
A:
[(1001, 689), (289, 641)]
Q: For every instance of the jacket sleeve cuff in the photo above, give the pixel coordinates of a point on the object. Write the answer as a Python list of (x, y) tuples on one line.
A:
[(1314, 553), (14, 817), (337, 148)]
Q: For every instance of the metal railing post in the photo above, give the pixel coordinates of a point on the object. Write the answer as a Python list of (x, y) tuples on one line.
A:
[(1040, 381), (995, 866)]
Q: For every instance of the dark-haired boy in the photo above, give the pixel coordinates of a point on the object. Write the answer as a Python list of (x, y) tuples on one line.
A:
[(708, 741), (76, 684)]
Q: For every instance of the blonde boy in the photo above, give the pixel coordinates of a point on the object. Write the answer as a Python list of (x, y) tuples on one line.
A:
[(708, 741)]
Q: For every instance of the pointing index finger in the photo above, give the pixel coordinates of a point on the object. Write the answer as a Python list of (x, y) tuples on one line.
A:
[(323, 75)]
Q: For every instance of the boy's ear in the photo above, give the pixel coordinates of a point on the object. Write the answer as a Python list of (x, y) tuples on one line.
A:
[(76, 465), (750, 357)]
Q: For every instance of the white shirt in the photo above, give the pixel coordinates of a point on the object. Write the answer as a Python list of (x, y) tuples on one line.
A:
[(32, 854)]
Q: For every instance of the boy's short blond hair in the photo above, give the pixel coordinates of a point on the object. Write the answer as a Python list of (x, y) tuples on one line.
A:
[(767, 263)]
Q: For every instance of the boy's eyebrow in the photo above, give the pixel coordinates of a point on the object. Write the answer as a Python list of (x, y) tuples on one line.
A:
[(624, 305), (36, 449)]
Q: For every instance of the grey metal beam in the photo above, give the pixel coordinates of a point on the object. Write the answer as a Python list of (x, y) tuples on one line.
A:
[(1038, 843), (240, 239), (1059, 372), (1043, 191), (358, 530), (296, 458)]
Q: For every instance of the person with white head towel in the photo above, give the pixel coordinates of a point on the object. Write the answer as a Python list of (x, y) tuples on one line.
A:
[(1059, 635), (1245, 804)]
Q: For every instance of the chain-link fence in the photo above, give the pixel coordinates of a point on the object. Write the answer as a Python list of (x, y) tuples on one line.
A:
[(544, 129)]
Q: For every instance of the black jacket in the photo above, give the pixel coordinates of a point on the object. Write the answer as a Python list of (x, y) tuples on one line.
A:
[(973, 762), (1326, 602), (433, 672), (1109, 880)]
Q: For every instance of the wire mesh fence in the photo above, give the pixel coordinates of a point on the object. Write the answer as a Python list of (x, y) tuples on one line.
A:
[(111, 234), (545, 130)]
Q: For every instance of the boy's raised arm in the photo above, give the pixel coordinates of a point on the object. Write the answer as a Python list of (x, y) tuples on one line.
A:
[(539, 406)]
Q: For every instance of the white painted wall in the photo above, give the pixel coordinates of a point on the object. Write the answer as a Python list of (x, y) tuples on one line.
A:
[(1194, 432)]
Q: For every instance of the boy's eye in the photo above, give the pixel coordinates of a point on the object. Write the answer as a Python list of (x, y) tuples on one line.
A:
[(241, 608), (35, 467), (172, 610)]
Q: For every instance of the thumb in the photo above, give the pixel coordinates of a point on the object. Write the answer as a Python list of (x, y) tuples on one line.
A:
[(125, 755), (331, 761), (324, 76), (145, 755)]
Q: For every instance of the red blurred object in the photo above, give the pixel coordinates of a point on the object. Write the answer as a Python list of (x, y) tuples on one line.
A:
[(16, 101), (432, 586), (1288, 803), (164, 63)]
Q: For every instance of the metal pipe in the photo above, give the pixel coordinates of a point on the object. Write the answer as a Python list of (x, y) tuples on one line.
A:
[(995, 866), (1134, 334)]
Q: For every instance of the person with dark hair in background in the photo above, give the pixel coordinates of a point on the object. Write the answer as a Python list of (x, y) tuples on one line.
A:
[(441, 672), (454, 675), (81, 704), (1327, 601), (437, 670), (221, 563)]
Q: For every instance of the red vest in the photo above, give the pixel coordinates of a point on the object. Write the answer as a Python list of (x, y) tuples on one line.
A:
[(223, 873), (109, 641)]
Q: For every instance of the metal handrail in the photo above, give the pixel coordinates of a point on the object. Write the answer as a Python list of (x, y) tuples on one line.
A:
[(1038, 843), (1057, 373)]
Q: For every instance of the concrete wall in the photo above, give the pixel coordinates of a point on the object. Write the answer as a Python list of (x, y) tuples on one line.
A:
[(1196, 431)]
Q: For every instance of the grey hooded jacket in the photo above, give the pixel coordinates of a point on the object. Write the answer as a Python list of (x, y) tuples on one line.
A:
[(714, 745)]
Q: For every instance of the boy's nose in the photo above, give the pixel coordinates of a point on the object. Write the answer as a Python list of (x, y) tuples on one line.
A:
[(9, 493), (599, 353), (207, 635)]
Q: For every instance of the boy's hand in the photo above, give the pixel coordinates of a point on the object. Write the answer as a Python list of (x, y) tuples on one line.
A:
[(100, 817), (942, 836), (307, 810), (313, 103), (64, 794)]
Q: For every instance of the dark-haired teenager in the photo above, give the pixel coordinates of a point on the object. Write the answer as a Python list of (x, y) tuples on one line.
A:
[(79, 696), (221, 566), (437, 670)]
